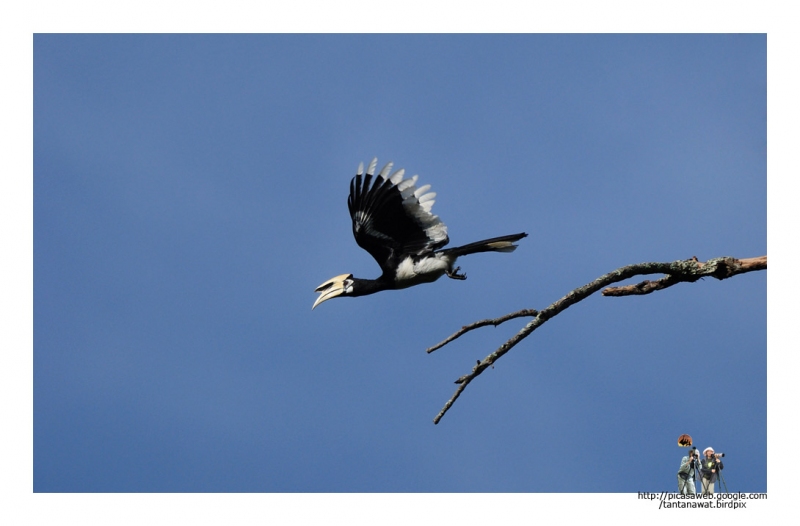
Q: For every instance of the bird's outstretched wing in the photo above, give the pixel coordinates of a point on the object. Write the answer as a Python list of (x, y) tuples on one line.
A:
[(392, 217)]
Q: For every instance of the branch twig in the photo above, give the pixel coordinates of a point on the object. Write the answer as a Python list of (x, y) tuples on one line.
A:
[(689, 270), (482, 323)]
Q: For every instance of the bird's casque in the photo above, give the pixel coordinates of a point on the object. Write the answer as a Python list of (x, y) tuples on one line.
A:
[(392, 220)]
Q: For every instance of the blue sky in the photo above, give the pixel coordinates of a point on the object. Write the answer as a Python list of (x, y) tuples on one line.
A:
[(190, 193)]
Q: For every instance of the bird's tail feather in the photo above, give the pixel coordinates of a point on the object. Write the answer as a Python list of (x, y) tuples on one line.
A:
[(495, 244)]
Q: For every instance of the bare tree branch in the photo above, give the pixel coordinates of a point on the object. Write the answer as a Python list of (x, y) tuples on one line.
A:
[(483, 323), (689, 270), (722, 268)]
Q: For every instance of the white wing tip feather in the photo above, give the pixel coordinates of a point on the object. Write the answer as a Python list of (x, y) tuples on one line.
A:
[(372, 165), (421, 190), (408, 183), (397, 177), (386, 169), (427, 205)]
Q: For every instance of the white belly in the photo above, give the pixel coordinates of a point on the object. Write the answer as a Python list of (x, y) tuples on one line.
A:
[(425, 270)]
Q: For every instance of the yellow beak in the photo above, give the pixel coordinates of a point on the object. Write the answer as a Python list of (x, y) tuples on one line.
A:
[(331, 288)]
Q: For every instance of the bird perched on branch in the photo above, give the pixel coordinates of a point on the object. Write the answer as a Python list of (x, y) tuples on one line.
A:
[(392, 220)]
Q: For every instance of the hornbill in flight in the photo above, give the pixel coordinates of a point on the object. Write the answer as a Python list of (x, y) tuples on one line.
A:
[(392, 220)]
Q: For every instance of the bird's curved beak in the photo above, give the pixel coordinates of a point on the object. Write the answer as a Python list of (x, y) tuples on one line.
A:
[(331, 288)]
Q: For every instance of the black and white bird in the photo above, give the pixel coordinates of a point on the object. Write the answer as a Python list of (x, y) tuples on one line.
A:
[(392, 220)]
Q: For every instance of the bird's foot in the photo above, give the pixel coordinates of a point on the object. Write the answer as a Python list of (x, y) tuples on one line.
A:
[(454, 274)]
